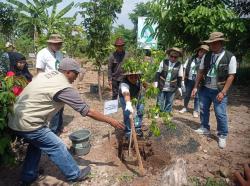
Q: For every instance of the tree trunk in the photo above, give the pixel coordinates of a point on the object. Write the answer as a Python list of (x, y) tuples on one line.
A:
[(99, 83), (103, 81)]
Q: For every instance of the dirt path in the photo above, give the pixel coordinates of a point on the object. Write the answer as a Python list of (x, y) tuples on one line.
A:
[(202, 155)]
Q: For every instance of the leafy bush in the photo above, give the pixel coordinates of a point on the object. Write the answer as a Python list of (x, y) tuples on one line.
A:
[(7, 99), (148, 70)]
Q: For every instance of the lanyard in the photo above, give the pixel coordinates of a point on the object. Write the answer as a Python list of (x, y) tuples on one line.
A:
[(214, 59), (214, 63), (170, 68)]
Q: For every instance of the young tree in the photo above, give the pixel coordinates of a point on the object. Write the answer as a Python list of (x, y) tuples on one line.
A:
[(98, 18), (187, 22)]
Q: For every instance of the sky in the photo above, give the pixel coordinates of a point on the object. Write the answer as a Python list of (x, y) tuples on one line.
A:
[(123, 18), (128, 6)]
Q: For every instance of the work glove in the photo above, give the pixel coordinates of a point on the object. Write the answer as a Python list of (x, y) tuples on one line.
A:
[(156, 84), (183, 86), (180, 91), (129, 107)]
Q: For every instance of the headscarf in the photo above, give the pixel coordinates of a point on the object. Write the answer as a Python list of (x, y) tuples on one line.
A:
[(14, 58)]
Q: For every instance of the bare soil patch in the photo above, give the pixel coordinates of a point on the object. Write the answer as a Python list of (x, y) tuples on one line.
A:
[(202, 155)]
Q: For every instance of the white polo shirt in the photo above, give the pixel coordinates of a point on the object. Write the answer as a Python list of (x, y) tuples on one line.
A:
[(48, 60)]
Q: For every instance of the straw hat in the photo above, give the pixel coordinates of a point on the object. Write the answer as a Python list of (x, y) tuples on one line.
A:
[(215, 36), (204, 47), (132, 73), (119, 42), (55, 38), (9, 44), (175, 49)]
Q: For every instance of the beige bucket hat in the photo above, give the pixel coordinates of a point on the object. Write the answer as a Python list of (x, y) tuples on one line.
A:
[(205, 47), (215, 36), (9, 44), (55, 38), (175, 49), (132, 73)]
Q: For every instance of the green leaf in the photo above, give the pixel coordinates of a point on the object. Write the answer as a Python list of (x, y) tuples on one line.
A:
[(4, 144), (155, 129)]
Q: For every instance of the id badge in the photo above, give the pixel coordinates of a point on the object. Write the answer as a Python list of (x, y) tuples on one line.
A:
[(208, 80)]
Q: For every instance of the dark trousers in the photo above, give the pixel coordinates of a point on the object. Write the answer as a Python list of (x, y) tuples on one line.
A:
[(115, 89), (189, 84)]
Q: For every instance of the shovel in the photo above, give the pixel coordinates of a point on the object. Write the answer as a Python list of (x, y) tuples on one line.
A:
[(132, 126)]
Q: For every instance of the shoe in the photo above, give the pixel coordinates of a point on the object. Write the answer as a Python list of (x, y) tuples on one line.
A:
[(195, 114), (139, 132), (83, 174), (203, 131), (222, 142), (183, 110)]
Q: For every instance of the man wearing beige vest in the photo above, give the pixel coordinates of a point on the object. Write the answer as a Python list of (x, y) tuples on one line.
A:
[(44, 96)]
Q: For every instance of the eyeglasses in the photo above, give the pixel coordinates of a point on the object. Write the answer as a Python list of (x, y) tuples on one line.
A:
[(175, 57)]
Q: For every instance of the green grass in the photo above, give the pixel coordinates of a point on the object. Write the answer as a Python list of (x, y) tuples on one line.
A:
[(126, 177)]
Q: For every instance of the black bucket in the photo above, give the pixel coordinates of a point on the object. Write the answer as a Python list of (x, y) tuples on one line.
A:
[(80, 142)]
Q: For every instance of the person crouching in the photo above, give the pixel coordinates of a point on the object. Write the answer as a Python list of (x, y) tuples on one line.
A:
[(130, 88)]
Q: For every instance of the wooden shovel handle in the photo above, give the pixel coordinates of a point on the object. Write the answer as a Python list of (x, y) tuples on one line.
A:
[(132, 125)]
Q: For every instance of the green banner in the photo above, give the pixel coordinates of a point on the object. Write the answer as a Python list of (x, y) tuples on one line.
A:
[(146, 34)]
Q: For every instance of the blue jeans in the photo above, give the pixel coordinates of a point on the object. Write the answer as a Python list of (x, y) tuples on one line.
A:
[(165, 101), (137, 119), (189, 84), (56, 123), (207, 97), (44, 140)]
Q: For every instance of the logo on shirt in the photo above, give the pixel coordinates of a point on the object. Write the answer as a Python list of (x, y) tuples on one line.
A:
[(57, 64), (51, 74)]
